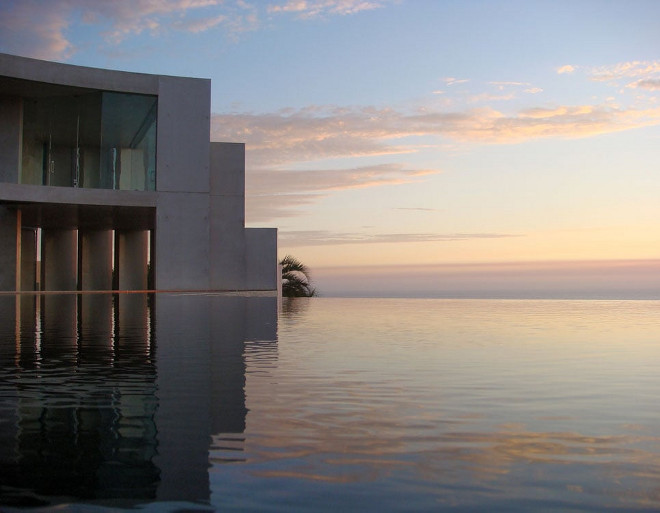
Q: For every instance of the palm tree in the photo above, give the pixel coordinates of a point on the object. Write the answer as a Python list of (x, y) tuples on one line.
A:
[(295, 278)]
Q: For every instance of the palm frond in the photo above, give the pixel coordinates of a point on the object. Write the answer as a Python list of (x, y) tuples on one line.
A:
[(295, 278)]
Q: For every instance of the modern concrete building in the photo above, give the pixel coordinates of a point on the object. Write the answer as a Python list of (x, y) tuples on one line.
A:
[(105, 170)]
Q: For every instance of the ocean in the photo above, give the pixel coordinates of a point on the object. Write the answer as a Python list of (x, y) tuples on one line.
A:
[(208, 402)]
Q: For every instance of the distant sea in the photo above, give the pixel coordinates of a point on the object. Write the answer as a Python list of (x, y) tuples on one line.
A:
[(614, 294)]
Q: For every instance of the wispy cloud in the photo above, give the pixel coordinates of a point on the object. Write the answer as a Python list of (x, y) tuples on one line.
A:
[(625, 70), (312, 133), (291, 182), (200, 25), (488, 98), (40, 29), (418, 209), (315, 8), (278, 143), (650, 84), (318, 133), (277, 193), (43, 40), (502, 84), (454, 81), (323, 237), (36, 28), (632, 74)]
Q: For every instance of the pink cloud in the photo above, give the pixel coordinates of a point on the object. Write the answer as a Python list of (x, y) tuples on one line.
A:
[(318, 133), (625, 70), (20, 34), (120, 19)]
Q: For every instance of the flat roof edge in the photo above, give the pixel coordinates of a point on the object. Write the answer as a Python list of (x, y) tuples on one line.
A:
[(37, 70)]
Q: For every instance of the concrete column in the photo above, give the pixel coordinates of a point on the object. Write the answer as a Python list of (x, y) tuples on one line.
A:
[(59, 261), (132, 255), (96, 260), (28, 259), (10, 229)]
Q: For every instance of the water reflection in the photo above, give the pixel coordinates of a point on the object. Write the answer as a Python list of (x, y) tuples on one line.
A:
[(117, 399), (428, 405)]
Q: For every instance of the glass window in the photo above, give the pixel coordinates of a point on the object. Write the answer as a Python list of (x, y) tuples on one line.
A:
[(128, 142), (93, 140)]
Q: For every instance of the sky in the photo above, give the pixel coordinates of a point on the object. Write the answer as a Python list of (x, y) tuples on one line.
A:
[(415, 147)]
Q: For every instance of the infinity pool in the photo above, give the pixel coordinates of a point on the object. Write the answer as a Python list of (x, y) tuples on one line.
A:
[(210, 402)]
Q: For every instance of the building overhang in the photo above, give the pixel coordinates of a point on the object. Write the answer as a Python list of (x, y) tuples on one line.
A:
[(70, 208), (26, 69)]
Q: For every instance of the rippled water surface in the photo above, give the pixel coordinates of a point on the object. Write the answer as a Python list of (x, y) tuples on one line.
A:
[(206, 402)]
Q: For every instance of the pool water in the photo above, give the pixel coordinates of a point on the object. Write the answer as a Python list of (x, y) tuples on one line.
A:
[(225, 403)]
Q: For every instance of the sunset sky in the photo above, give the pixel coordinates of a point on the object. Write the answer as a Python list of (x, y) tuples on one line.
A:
[(414, 147)]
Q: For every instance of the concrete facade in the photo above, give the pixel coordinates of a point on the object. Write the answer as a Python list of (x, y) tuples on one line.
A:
[(159, 192)]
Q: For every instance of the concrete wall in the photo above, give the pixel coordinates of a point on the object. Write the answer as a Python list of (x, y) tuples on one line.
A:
[(227, 216), (261, 258), (182, 241), (184, 125), (182, 182)]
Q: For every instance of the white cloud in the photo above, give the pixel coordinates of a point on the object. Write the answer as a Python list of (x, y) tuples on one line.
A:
[(566, 69), (454, 81), (315, 8), (533, 90)]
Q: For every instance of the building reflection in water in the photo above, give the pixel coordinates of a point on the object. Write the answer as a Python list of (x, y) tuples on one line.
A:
[(120, 397)]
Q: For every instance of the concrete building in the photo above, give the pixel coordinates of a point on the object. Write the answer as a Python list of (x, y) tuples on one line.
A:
[(105, 170)]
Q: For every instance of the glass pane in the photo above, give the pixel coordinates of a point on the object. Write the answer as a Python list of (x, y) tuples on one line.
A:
[(61, 140), (128, 144)]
